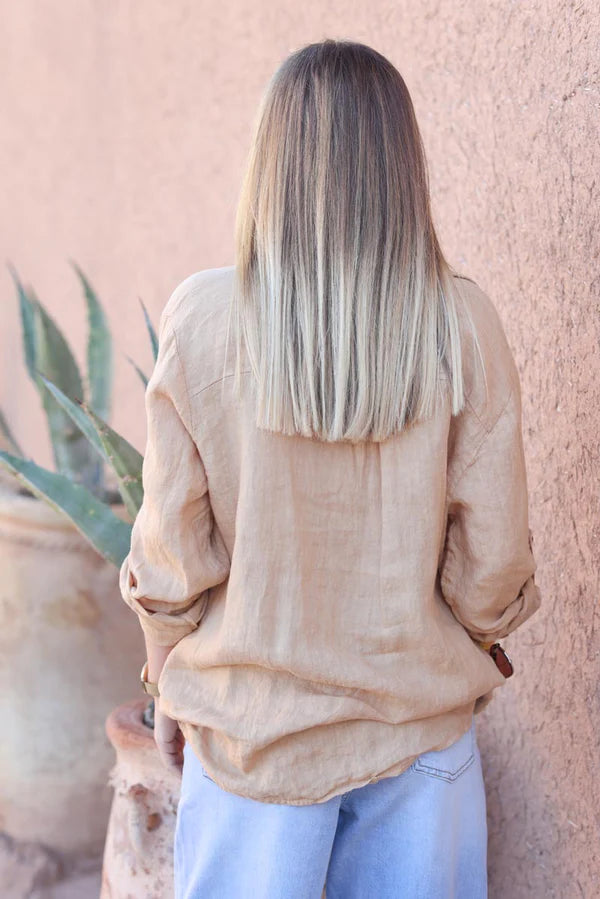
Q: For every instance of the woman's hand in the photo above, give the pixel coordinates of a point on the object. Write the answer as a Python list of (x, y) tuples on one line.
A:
[(169, 740), (167, 734)]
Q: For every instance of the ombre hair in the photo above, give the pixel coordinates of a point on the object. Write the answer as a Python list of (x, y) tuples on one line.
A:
[(342, 296)]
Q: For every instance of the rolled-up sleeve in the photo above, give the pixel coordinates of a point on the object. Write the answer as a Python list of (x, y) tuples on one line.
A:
[(176, 553), (488, 566)]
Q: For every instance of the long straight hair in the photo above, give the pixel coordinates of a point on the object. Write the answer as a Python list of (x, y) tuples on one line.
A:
[(341, 295)]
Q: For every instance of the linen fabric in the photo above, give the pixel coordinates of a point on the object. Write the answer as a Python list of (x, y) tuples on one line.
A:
[(324, 599)]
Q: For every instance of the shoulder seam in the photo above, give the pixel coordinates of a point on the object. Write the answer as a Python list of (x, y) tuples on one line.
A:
[(243, 371)]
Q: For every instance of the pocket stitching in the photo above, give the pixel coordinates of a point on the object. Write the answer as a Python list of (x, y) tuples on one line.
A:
[(421, 767), (197, 759), (204, 772)]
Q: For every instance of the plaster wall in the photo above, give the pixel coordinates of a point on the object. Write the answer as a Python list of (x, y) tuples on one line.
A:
[(124, 131)]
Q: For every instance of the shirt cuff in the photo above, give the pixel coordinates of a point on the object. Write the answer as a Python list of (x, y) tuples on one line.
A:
[(161, 628), (526, 603)]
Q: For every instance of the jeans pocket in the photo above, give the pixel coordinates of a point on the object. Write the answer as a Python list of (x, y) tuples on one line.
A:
[(205, 773), (190, 758), (449, 763)]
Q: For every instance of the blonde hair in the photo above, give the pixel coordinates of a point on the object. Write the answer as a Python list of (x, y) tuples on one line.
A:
[(342, 296)]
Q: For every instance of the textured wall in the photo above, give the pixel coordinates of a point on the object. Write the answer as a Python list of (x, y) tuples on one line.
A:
[(124, 132)]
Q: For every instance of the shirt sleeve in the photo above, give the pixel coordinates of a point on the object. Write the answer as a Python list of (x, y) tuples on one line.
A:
[(176, 553), (487, 572)]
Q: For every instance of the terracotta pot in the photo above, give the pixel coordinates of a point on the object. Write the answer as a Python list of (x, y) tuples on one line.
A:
[(70, 649), (138, 854)]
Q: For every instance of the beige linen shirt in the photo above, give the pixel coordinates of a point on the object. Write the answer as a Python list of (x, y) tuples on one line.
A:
[(324, 599)]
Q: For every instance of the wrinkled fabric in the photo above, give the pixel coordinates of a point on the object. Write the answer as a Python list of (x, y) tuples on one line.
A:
[(422, 835), (324, 600)]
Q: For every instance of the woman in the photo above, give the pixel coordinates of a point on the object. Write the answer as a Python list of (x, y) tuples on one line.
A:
[(335, 518)]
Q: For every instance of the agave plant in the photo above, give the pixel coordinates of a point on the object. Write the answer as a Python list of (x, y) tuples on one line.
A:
[(84, 445)]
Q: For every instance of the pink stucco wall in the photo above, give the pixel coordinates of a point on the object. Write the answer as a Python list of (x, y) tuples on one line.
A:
[(124, 131)]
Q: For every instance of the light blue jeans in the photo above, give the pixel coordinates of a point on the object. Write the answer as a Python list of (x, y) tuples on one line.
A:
[(421, 834)]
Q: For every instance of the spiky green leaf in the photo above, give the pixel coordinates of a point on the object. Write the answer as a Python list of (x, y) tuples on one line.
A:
[(125, 461), (151, 331), (78, 415), (143, 377), (27, 315), (107, 533), (53, 353), (114, 450), (73, 455), (99, 350)]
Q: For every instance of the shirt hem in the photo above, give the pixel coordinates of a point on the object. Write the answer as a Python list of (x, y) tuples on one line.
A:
[(393, 769)]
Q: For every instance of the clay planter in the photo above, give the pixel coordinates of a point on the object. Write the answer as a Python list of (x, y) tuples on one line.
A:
[(70, 650), (138, 855)]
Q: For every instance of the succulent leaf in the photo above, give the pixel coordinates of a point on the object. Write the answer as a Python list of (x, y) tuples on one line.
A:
[(143, 377), (78, 415), (99, 350), (151, 331), (72, 452), (105, 531), (27, 313), (125, 461)]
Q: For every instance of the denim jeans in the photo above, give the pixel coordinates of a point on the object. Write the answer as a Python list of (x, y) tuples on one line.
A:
[(421, 834)]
